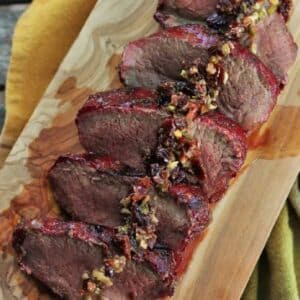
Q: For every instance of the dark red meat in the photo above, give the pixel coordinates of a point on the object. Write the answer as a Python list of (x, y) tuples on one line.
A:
[(122, 125), (271, 37), (182, 214), (222, 151), (250, 94), (192, 8), (275, 46), (90, 193), (177, 230), (162, 56), (58, 253), (90, 188)]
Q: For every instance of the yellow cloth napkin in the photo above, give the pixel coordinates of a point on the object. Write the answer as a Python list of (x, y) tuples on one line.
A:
[(43, 36)]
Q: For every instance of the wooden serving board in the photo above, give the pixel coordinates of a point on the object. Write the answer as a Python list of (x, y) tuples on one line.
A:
[(242, 221)]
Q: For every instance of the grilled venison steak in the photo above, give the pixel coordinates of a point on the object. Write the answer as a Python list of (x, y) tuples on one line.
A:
[(249, 107), (149, 61), (121, 124), (270, 38), (59, 253), (275, 45), (223, 140), (90, 188), (222, 151), (236, 100)]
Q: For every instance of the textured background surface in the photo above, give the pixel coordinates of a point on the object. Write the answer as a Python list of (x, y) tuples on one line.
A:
[(9, 14)]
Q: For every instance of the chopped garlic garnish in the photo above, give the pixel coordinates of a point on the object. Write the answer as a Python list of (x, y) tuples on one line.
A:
[(178, 134), (226, 77), (172, 165), (210, 69)]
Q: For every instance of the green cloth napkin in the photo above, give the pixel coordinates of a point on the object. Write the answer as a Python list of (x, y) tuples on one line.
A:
[(277, 274)]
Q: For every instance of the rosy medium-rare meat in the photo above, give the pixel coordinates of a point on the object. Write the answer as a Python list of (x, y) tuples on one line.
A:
[(59, 254), (90, 188), (149, 61), (210, 156), (121, 124), (272, 40), (191, 216), (250, 92), (275, 45), (223, 150)]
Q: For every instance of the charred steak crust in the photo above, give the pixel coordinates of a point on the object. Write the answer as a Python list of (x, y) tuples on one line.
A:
[(124, 129), (59, 253), (149, 61)]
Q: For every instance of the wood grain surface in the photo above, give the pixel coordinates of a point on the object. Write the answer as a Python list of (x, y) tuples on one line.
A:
[(242, 221)]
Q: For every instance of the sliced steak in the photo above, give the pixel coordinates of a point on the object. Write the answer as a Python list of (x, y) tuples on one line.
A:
[(90, 191), (206, 152), (223, 150), (180, 223), (271, 37), (90, 188), (192, 8), (251, 91), (59, 253), (180, 214), (124, 129), (275, 45), (162, 56)]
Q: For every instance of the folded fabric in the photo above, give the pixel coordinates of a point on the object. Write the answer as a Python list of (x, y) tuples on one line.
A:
[(43, 36)]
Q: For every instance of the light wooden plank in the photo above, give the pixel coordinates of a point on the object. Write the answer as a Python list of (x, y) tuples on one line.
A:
[(242, 221)]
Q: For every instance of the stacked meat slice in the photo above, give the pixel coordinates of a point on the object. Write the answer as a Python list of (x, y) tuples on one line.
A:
[(68, 257), (270, 37), (159, 152)]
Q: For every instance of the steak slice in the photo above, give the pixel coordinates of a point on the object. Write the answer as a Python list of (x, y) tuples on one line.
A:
[(162, 56), (90, 188), (223, 149), (271, 37), (191, 8), (275, 45), (178, 215), (122, 125), (210, 156), (251, 91), (59, 253), (181, 222)]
